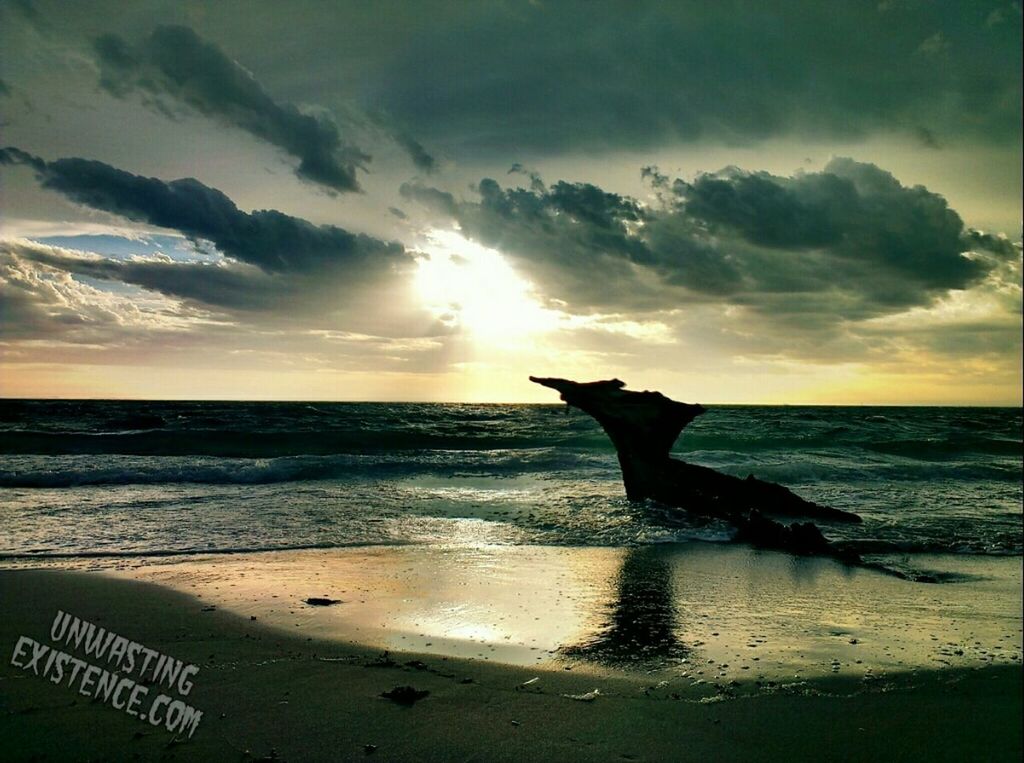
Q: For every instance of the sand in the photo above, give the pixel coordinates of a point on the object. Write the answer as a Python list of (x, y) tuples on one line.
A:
[(714, 611), (270, 688)]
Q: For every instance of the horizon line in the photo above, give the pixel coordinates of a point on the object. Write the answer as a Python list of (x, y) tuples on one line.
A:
[(4, 398)]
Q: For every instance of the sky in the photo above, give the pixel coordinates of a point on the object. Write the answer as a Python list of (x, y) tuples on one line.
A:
[(730, 202)]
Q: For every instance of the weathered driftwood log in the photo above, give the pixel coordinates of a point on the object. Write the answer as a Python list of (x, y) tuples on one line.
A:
[(643, 426)]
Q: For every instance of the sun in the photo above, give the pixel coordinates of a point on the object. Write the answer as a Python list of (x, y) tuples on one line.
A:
[(473, 287)]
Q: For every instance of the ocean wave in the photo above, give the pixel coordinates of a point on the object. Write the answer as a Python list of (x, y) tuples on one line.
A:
[(940, 449), (197, 551), (898, 555), (41, 472), (249, 477), (80, 471), (845, 468), (925, 449), (469, 436), (242, 444)]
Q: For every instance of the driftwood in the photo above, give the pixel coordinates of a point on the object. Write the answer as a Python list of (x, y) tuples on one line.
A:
[(643, 427)]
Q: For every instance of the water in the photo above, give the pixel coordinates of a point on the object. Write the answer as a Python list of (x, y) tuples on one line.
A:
[(97, 478)]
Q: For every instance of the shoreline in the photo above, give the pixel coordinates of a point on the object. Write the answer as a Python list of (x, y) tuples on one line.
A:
[(703, 611), (262, 688)]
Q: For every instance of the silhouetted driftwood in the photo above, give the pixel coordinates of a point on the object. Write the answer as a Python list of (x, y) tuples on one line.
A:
[(643, 426)]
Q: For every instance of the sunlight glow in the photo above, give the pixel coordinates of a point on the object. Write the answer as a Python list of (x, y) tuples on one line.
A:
[(473, 287)]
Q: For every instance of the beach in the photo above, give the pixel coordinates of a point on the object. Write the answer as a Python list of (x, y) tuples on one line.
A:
[(511, 381), (280, 679), (278, 568)]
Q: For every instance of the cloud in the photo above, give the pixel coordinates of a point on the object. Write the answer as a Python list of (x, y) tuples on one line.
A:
[(276, 270), (26, 8), (804, 252), (270, 240), (49, 304), (221, 314), (520, 80), (926, 137), (858, 217), (174, 63), (935, 45), (230, 287), (826, 266), (94, 310), (440, 201), (517, 81), (419, 156)]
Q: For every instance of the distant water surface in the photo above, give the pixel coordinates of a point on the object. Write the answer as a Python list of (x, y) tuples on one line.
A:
[(85, 478)]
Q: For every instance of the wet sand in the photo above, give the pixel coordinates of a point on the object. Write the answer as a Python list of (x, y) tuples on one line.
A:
[(706, 612), (305, 682)]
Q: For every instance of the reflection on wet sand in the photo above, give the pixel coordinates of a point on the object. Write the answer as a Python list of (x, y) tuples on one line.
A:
[(730, 612), (641, 624)]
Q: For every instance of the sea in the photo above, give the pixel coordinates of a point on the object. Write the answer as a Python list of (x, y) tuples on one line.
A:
[(111, 479)]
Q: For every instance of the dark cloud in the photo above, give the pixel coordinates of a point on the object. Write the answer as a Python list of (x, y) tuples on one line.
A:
[(88, 300), (277, 270), (112, 312), (232, 288), (536, 182), (926, 137), (998, 245), (576, 76), (847, 243), (10, 156), (419, 156), (654, 176), (858, 214), (511, 80), (174, 63), (26, 8), (268, 239), (440, 201)]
